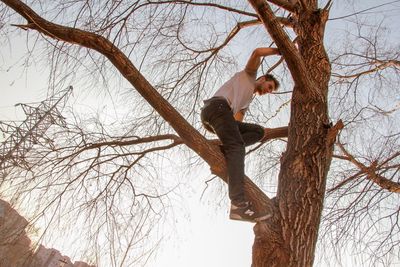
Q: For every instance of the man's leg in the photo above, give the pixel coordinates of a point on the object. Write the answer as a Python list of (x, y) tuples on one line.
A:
[(220, 117), (251, 133)]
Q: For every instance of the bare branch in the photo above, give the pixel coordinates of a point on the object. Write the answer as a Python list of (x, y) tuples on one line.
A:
[(364, 10), (288, 5), (379, 65), (230, 9), (371, 172), (176, 141), (231, 35)]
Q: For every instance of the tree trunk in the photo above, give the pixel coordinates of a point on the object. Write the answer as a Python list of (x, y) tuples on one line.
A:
[(289, 239)]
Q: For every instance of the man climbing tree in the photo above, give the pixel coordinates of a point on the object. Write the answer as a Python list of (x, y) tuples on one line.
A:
[(168, 55), (223, 115)]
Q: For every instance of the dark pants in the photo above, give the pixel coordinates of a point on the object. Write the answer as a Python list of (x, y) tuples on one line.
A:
[(217, 117)]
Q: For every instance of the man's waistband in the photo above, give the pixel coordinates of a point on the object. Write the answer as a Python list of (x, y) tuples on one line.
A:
[(215, 98)]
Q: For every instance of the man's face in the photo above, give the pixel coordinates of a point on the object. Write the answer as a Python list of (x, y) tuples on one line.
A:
[(264, 87)]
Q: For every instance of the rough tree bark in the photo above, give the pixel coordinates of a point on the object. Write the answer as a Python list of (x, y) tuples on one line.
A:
[(289, 237), (305, 164)]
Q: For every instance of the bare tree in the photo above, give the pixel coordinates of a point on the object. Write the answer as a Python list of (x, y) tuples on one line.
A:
[(181, 47)]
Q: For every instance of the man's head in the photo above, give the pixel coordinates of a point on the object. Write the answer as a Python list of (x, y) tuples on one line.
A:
[(266, 84)]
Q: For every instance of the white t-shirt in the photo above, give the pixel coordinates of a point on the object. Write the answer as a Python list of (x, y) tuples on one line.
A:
[(238, 90)]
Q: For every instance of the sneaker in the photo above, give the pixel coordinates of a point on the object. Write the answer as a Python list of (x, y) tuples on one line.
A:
[(245, 212)]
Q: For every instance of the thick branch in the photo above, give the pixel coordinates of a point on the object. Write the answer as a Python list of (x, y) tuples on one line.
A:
[(269, 134), (284, 4), (273, 133), (371, 172)]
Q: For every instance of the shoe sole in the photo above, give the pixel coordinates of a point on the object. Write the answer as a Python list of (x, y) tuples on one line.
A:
[(259, 219), (263, 218)]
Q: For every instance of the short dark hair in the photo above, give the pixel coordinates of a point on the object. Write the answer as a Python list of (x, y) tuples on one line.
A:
[(270, 77)]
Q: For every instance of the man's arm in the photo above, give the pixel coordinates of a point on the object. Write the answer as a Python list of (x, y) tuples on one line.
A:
[(255, 59), (240, 115)]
